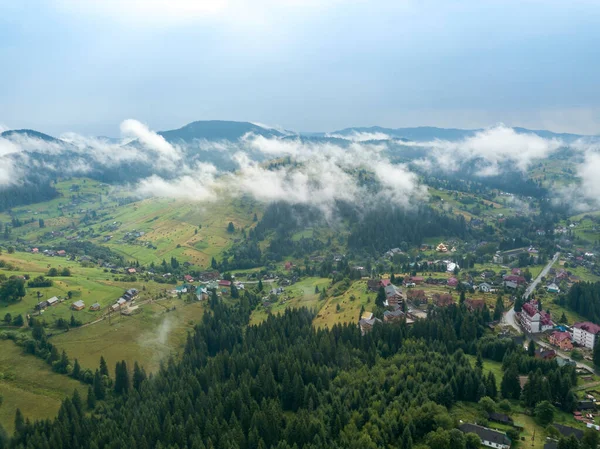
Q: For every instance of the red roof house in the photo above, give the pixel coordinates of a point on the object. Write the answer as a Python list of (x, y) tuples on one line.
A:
[(188, 278), (452, 282), (224, 283)]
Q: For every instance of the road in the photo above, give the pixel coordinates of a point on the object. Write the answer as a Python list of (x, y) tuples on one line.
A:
[(510, 318)]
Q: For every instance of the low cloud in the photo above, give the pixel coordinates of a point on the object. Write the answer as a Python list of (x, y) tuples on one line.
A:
[(317, 174), (492, 147), (358, 136)]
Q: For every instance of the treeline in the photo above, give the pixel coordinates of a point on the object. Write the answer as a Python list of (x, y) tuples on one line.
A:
[(387, 227), (281, 384), (584, 298), (34, 191)]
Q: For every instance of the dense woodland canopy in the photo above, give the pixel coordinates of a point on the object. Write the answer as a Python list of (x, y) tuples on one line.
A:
[(285, 384), (584, 298)]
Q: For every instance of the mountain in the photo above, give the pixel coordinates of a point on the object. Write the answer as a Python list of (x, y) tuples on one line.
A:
[(216, 130), (427, 133), (29, 133)]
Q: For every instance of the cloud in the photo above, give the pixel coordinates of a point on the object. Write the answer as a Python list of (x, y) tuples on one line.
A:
[(317, 174), (493, 147), (199, 186), (151, 140), (357, 136)]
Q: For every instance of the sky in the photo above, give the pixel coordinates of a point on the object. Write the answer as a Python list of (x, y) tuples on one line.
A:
[(307, 65)]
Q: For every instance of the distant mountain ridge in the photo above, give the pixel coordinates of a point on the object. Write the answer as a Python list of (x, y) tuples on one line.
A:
[(217, 130), (213, 130)]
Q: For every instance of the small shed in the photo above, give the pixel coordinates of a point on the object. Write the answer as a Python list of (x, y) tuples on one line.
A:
[(95, 307)]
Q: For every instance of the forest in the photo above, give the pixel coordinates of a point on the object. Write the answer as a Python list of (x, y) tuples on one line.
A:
[(584, 298), (285, 384)]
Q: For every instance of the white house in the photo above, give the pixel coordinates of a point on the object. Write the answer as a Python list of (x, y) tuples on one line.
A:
[(489, 437), (533, 320), (584, 334)]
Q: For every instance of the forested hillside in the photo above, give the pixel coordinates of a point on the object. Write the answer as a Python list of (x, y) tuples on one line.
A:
[(282, 384), (584, 298)]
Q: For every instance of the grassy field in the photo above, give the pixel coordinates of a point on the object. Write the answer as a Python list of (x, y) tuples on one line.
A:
[(350, 304), (92, 285), (29, 384), (301, 294), (148, 337)]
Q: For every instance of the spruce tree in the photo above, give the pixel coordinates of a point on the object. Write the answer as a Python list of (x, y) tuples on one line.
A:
[(103, 367), (91, 398)]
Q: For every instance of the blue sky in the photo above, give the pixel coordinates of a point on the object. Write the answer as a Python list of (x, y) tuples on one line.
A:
[(309, 65)]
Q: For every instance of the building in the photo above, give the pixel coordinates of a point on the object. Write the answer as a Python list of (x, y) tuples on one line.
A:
[(393, 316), (584, 334), (488, 437), (367, 322), (78, 305), (533, 320), (224, 283), (52, 301), (562, 340), (452, 282), (443, 299), (441, 248), (500, 418), (188, 278), (485, 287), (95, 307), (393, 295), (567, 431), (553, 288)]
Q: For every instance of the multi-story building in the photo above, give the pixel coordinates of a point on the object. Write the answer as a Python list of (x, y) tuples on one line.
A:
[(533, 320), (584, 334)]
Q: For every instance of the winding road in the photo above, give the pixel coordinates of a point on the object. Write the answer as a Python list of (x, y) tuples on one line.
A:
[(510, 318)]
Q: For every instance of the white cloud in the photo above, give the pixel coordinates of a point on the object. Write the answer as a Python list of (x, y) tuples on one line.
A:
[(357, 136), (495, 146), (150, 140)]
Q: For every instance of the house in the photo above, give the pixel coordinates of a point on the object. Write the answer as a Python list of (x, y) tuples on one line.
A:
[(562, 340), (452, 282), (553, 288), (367, 322), (417, 296), (131, 270), (585, 405), (61, 253), (475, 304), (516, 271), (78, 305), (545, 354), (393, 295), (584, 334), (484, 287), (417, 280), (443, 299), (533, 320), (519, 280), (500, 418), (188, 278), (95, 307), (224, 283), (393, 316), (451, 266), (488, 437), (441, 248), (41, 305), (385, 282), (510, 284), (52, 301), (35, 250), (202, 294), (567, 431), (373, 285)]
